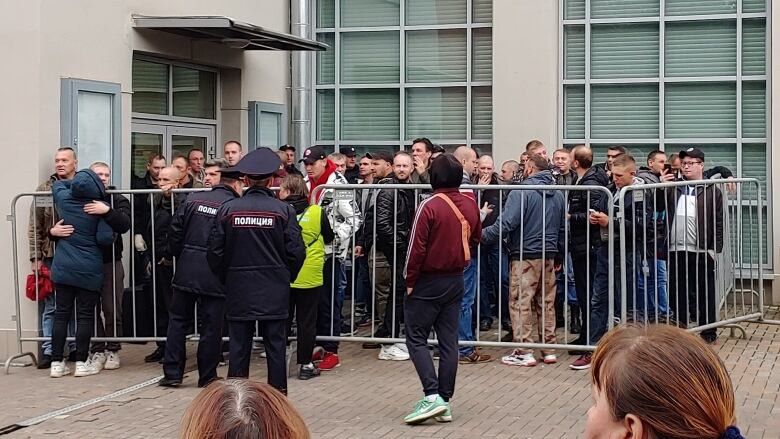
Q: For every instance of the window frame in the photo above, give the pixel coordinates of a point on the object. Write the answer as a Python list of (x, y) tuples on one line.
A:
[(69, 121), (258, 107)]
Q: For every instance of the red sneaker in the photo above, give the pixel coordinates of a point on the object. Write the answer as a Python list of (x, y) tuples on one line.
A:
[(583, 362), (329, 361), (317, 354)]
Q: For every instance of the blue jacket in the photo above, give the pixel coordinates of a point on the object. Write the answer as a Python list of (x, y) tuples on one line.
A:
[(78, 259), (526, 215)]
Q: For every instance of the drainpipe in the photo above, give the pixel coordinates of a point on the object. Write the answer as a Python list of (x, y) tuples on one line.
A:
[(301, 64)]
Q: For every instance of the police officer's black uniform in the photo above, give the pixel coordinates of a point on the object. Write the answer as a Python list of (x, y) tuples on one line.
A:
[(257, 249), (188, 242)]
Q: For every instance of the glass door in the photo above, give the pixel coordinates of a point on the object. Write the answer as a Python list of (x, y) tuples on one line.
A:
[(146, 140), (149, 138)]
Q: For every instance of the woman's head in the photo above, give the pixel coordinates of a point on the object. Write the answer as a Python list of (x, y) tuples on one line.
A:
[(658, 382), (228, 409), (292, 184)]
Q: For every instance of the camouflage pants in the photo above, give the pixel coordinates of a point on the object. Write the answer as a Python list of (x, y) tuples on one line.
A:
[(527, 293)]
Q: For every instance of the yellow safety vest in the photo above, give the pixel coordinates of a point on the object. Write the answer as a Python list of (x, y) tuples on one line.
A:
[(310, 275)]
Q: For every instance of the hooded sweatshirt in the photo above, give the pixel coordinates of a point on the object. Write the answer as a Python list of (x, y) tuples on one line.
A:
[(78, 260), (532, 235)]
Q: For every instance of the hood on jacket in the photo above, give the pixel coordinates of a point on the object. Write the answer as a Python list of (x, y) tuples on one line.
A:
[(298, 202), (648, 175), (446, 172), (86, 185), (541, 178)]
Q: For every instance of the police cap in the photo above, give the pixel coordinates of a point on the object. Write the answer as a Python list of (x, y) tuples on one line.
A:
[(261, 161)]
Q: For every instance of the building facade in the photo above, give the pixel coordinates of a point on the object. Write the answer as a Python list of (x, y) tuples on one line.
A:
[(492, 74)]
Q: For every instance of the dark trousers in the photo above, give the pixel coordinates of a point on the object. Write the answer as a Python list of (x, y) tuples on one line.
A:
[(434, 303), (84, 302), (691, 286), (162, 299), (394, 308), (584, 266), (329, 305), (211, 312), (303, 305), (110, 303), (275, 342)]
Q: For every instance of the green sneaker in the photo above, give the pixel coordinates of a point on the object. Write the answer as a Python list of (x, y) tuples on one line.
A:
[(425, 410), (446, 416)]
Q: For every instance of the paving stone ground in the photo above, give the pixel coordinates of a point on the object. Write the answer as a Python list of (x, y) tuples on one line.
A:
[(367, 398)]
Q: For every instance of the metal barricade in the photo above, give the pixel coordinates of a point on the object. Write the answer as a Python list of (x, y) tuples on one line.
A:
[(690, 253)]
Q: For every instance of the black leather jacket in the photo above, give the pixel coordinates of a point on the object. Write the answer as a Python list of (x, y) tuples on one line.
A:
[(394, 215)]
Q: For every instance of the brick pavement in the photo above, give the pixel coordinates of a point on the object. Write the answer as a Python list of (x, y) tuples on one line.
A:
[(367, 398)]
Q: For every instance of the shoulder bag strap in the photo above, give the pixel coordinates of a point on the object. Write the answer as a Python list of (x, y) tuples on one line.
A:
[(464, 225)]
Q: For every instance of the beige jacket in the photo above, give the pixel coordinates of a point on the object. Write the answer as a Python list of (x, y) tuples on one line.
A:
[(42, 219)]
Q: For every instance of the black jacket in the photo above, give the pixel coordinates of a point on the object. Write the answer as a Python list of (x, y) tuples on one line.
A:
[(492, 197), (709, 215), (352, 174), (158, 232), (579, 205), (394, 216), (188, 241), (118, 217), (292, 169), (141, 202), (256, 248)]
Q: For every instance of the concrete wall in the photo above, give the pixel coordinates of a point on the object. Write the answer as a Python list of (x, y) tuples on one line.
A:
[(42, 42)]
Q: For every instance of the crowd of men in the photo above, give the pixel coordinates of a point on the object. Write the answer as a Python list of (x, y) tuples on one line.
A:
[(542, 258)]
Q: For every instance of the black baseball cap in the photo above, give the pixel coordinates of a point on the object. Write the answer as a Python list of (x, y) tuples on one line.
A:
[(694, 153), (438, 148), (312, 154), (380, 155), (286, 148), (348, 151), (261, 161)]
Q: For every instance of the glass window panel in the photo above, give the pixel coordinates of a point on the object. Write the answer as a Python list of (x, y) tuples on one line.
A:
[(438, 113), (638, 152), (181, 145), (361, 150), (143, 146), (574, 9), (754, 47), (624, 51), (326, 60), (750, 6), (421, 12), (482, 54), (370, 57), (150, 87), (574, 113), (624, 8), (754, 109), (194, 93), (95, 127), (482, 11), (746, 235), (436, 55), (574, 52), (270, 129), (326, 114), (754, 165), (481, 113), (700, 7), (326, 13), (486, 150), (624, 111), (370, 114), (701, 48), (701, 110), (369, 13)]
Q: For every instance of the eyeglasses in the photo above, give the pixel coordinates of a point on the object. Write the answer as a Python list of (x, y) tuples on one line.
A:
[(691, 163)]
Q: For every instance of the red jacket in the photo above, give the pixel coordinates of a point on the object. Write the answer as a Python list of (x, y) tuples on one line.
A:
[(436, 246)]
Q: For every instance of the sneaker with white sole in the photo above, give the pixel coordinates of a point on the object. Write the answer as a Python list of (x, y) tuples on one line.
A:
[(446, 416), (86, 368), (58, 369), (550, 359), (99, 360), (393, 353), (425, 410), (112, 361), (518, 358)]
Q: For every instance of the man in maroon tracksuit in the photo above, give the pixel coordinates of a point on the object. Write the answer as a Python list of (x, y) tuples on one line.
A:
[(445, 226)]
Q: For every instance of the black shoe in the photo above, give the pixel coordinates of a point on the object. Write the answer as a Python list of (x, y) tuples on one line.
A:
[(155, 357), (306, 373), (363, 321), (202, 384), (508, 337), (72, 356), (485, 324), (368, 345), (168, 382), (44, 362)]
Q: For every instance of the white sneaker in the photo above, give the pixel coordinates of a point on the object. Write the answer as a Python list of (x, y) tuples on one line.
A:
[(86, 368), (517, 358), (99, 360), (392, 353), (59, 369), (550, 359), (402, 346), (112, 361)]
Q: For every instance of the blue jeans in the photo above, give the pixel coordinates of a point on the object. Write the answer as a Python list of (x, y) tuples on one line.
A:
[(362, 284), (599, 302), (489, 277), (571, 290), (660, 281), (465, 333)]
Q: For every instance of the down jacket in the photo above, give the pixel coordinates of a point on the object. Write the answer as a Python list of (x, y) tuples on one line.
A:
[(394, 216), (78, 260)]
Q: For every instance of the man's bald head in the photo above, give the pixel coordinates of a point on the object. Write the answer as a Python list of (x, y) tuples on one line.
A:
[(582, 157), (169, 178), (467, 157)]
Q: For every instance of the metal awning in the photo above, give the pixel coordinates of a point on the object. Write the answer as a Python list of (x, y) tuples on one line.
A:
[(224, 30)]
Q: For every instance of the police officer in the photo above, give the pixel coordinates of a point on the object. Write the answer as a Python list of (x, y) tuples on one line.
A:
[(257, 250), (188, 241)]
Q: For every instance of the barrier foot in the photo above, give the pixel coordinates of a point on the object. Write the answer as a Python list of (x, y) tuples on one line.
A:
[(733, 328), (17, 356)]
